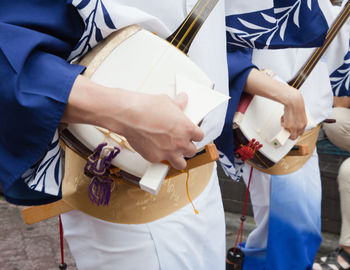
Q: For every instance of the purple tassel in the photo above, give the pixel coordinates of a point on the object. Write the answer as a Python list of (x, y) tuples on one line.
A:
[(101, 184), (100, 190)]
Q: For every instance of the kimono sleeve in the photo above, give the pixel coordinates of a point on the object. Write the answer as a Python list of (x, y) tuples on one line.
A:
[(338, 55), (239, 67), (35, 80)]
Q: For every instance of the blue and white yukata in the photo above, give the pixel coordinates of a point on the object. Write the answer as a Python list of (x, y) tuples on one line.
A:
[(287, 208)]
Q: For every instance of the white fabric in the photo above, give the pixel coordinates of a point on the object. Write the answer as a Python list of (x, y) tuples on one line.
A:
[(182, 240), (233, 8), (260, 197)]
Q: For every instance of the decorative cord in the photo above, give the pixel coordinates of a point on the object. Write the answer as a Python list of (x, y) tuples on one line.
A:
[(188, 192), (62, 265), (243, 218)]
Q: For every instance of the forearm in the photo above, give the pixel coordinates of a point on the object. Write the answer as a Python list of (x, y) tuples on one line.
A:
[(261, 84), (154, 125), (91, 103), (294, 119)]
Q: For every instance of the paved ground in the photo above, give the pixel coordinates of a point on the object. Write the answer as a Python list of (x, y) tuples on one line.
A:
[(36, 247), (29, 247)]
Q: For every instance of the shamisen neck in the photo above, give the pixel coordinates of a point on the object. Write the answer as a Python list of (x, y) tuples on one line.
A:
[(319, 52), (187, 31)]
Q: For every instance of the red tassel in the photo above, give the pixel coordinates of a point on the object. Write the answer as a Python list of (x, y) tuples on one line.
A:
[(248, 151)]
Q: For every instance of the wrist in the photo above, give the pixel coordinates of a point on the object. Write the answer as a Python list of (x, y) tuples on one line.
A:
[(119, 110), (260, 84), (289, 96)]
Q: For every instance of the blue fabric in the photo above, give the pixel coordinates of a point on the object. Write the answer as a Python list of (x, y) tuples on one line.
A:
[(294, 227), (35, 80), (297, 228), (254, 258), (288, 24), (239, 66), (19, 193)]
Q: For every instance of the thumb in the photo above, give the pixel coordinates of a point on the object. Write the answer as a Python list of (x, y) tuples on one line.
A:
[(181, 101)]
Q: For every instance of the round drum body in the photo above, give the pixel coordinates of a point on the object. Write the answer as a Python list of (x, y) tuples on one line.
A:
[(260, 118), (136, 60)]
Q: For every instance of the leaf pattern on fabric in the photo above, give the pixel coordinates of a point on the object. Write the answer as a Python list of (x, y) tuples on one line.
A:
[(233, 171), (340, 78), (98, 24), (107, 18), (46, 174), (263, 28), (83, 4)]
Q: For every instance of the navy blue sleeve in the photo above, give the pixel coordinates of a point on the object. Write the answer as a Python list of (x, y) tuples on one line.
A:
[(36, 37), (239, 66)]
